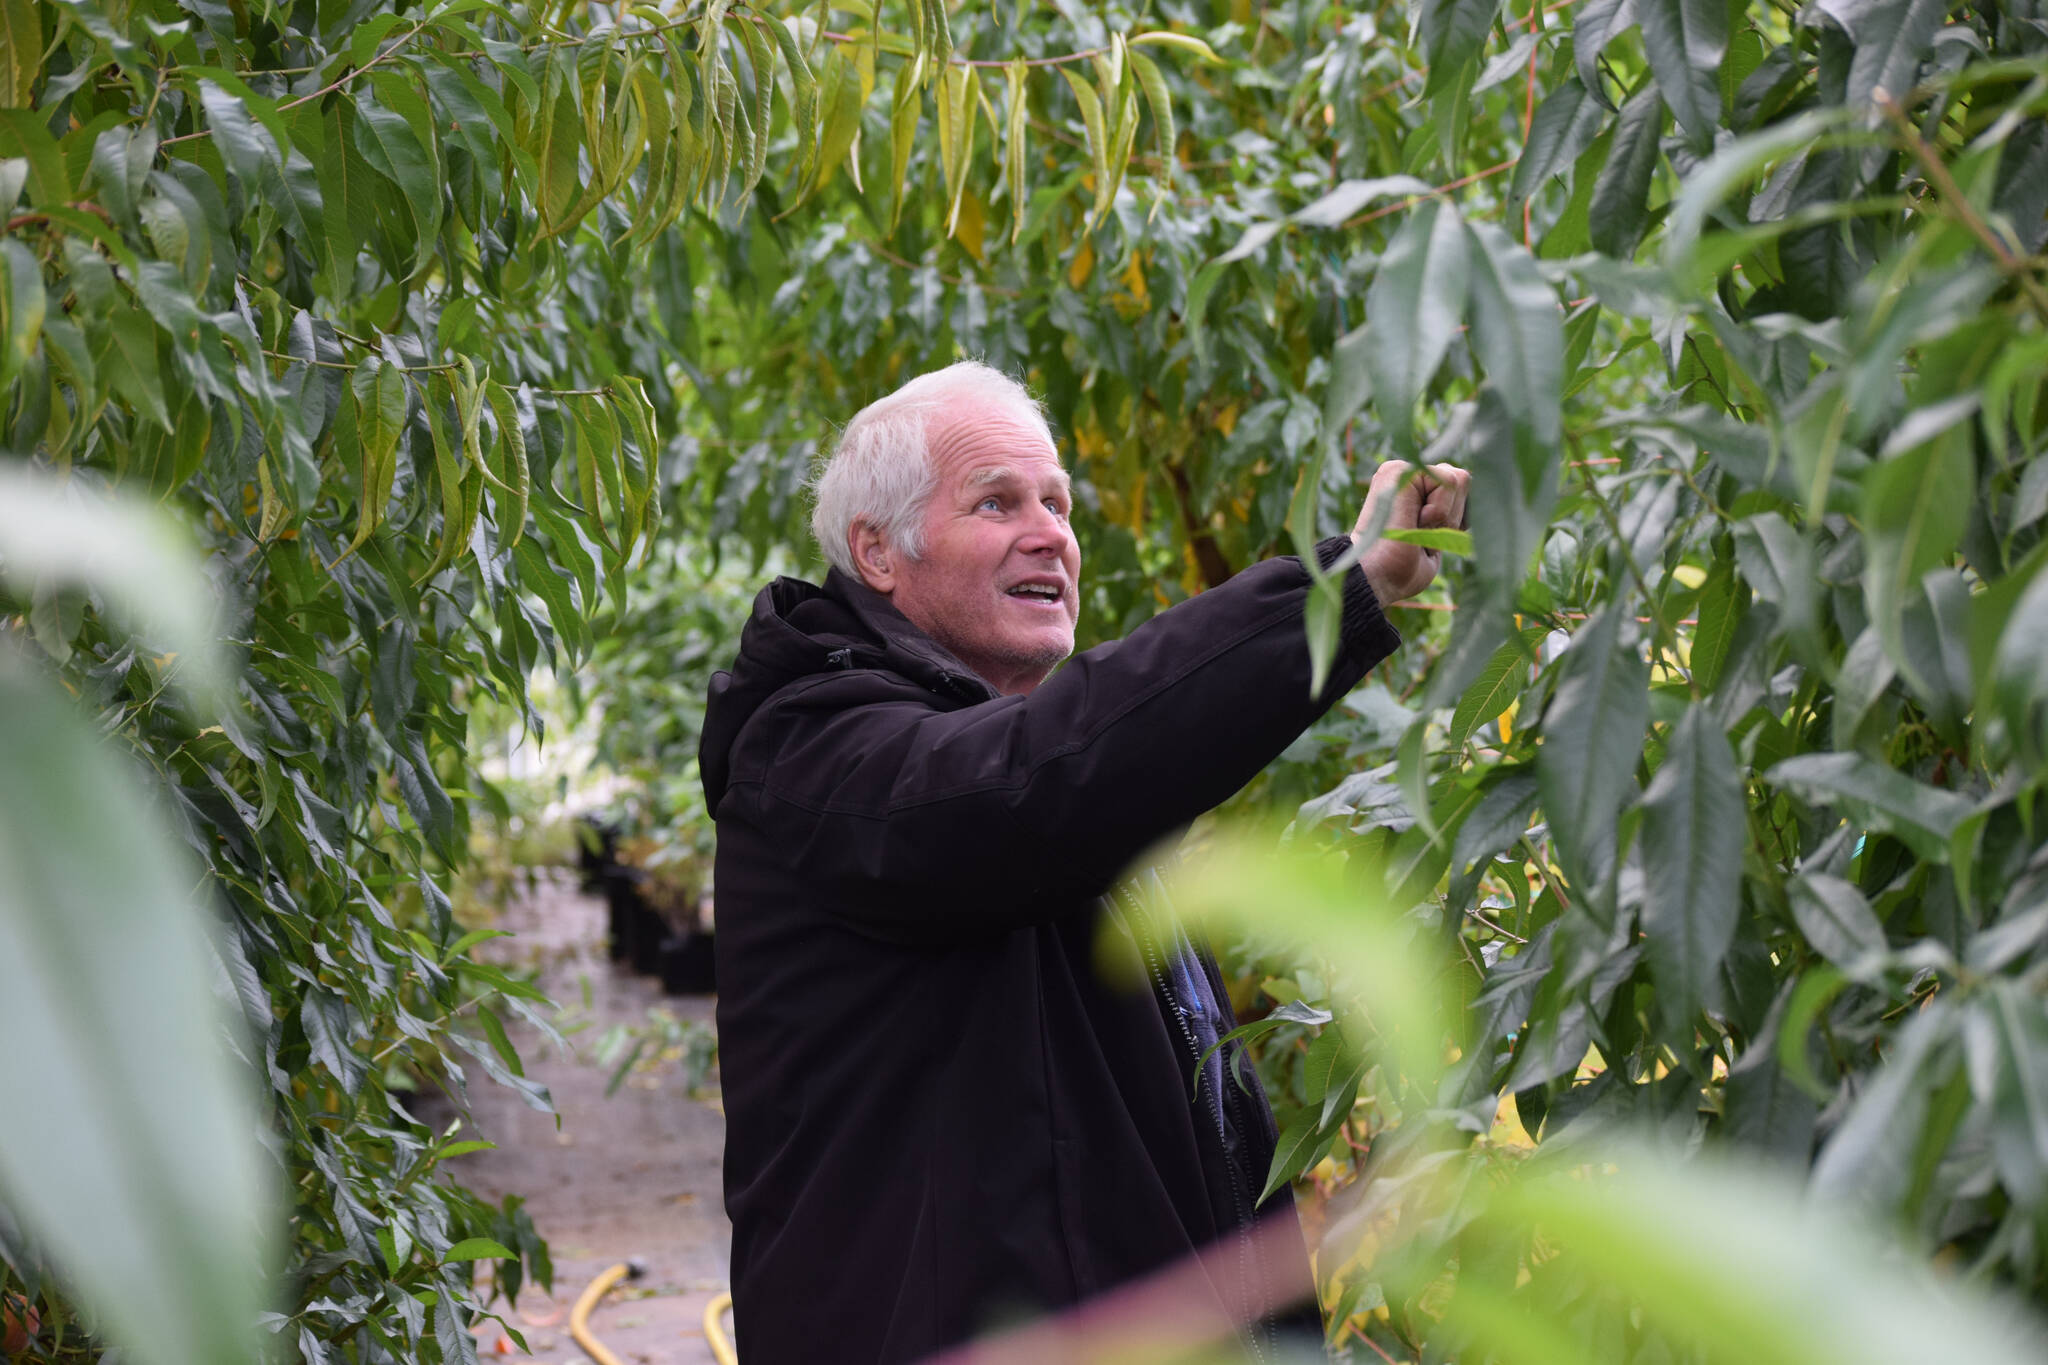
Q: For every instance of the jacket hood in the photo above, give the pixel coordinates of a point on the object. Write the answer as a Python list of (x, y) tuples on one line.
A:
[(799, 630)]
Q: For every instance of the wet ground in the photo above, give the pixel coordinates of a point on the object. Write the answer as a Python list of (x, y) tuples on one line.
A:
[(635, 1175)]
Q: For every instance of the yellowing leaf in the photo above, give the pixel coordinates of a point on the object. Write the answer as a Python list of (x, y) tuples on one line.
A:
[(1083, 264)]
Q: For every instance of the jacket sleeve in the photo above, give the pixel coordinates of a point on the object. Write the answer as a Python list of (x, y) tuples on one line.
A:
[(935, 824)]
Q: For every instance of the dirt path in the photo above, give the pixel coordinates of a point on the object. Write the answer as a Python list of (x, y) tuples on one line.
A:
[(632, 1176)]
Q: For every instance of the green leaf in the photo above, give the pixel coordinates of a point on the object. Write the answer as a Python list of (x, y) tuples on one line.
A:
[(1877, 797), (494, 1029), (1592, 737), (1445, 542), (1291, 1156), (380, 403), (1156, 99), (1514, 485), (1685, 41), (21, 39), (1866, 1162), (1093, 121), (1496, 687), (1518, 331), (390, 147), (127, 1144), (1452, 33), (907, 109), (2019, 671), (1891, 37), (1619, 210), (1412, 311), (1694, 829), (1350, 385), (1724, 601), (1594, 25), (23, 134), (1911, 521), (2019, 1131), (1334, 206), (23, 305), (1866, 672), (511, 475), (1016, 122), (477, 1249), (1565, 125), (1838, 922)]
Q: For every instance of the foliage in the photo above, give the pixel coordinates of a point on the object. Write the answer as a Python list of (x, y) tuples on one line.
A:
[(643, 695), (113, 1068), (1615, 1242), (332, 281), (1717, 756)]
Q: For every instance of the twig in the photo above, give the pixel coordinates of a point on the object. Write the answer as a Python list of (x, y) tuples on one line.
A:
[(1060, 60), (1953, 198), (325, 90), (1445, 188), (956, 281), (344, 365)]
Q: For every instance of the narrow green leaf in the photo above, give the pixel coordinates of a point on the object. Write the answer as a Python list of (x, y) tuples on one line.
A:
[(1161, 104), (1518, 330), (390, 147), (903, 118), (21, 40), (1412, 311), (1694, 829), (1891, 38), (477, 1249), (1092, 119), (1496, 687), (1619, 210), (1592, 737), (1594, 25), (1564, 127), (1879, 797), (512, 477), (1452, 33), (1837, 921), (127, 1144), (1017, 115), (1685, 41)]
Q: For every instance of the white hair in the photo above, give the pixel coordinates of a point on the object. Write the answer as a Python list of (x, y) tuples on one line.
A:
[(881, 473)]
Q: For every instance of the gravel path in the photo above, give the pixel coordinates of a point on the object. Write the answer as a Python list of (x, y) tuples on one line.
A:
[(633, 1176)]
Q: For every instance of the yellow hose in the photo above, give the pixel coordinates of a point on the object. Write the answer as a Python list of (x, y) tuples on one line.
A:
[(579, 1316), (714, 1330), (579, 1319)]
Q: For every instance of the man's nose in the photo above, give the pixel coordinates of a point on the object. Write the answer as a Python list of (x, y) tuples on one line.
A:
[(1048, 533)]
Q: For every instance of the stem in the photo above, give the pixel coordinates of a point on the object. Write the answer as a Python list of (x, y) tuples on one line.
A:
[(323, 91), (1959, 206)]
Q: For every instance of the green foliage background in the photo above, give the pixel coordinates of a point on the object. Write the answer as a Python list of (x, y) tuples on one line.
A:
[(1713, 760)]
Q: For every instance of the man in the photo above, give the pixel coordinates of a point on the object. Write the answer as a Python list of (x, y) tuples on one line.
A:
[(939, 1118)]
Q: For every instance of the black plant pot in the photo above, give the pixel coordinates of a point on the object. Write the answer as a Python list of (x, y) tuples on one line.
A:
[(686, 965), (629, 923), (595, 852)]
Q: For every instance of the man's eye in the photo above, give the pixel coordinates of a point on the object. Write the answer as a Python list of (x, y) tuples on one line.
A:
[(1053, 505), (994, 502)]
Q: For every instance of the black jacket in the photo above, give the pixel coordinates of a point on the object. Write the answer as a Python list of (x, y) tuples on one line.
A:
[(939, 1119)]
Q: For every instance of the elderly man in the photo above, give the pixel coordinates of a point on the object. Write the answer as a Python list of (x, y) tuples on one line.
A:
[(940, 1118)]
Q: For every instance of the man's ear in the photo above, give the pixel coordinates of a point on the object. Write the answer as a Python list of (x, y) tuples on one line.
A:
[(873, 556)]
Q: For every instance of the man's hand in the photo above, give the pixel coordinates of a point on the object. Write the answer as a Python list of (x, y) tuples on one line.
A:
[(1430, 498)]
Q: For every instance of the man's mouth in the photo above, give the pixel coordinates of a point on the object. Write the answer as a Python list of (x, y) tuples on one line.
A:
[(1047, 594)]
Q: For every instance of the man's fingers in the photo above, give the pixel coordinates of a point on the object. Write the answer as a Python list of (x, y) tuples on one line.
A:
[(1451, 484)]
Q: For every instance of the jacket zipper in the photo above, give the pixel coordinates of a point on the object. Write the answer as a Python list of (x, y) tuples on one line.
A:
[(1141, 930)]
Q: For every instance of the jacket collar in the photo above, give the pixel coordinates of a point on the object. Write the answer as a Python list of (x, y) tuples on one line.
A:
[(903, 648)]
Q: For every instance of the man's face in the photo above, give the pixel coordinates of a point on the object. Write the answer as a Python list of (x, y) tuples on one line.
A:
[(999, 581)]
